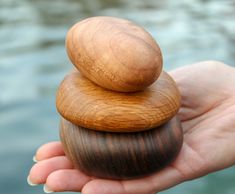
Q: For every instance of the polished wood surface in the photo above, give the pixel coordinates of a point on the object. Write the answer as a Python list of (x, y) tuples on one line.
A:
[(114, 53), (121, 155), (117, 121), (87, 105)]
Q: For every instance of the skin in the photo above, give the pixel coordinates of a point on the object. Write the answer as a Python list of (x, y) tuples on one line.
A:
[(208, 119)]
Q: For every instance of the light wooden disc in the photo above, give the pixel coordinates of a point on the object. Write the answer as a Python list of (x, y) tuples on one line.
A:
[(85, 104)]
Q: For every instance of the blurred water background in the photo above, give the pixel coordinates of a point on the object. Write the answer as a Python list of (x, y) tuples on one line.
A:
[(33, 62)]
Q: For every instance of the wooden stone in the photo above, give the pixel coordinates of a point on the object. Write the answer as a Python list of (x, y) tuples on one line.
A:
[(114, 53), (121, 155), (85, 104)]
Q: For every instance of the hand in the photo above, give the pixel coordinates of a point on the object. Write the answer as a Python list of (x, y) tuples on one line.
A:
[(208, 120)]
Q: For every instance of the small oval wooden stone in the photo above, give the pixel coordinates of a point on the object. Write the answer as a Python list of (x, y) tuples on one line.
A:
[(121, 155), (85, 104), (114, 53)]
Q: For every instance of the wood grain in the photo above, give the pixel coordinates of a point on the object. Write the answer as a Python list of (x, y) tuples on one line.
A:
[(88, 105), (121, 155), (114, 53)]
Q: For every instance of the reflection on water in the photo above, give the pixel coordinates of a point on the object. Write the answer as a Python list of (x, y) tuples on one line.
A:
[(33, 61)]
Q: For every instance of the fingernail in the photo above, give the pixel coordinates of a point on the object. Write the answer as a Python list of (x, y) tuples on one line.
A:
[(30, 182), (46, 189), (35, 159)]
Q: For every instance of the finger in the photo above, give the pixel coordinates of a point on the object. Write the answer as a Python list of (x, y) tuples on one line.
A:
[(66, 180), (49, 150), (40, 171)]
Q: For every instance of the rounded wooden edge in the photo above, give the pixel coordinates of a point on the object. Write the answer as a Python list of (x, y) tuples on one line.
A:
[(121, 155), (88, 105)]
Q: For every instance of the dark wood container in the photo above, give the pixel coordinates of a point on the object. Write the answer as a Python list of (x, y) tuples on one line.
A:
[(121, 155)]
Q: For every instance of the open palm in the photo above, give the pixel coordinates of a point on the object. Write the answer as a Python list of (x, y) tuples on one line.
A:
[(208, 119)]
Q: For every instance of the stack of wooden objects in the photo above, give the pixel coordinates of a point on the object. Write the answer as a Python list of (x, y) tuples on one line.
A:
[(118, 107)]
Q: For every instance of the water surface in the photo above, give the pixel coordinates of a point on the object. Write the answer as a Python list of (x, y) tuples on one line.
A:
[(33, 62)]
